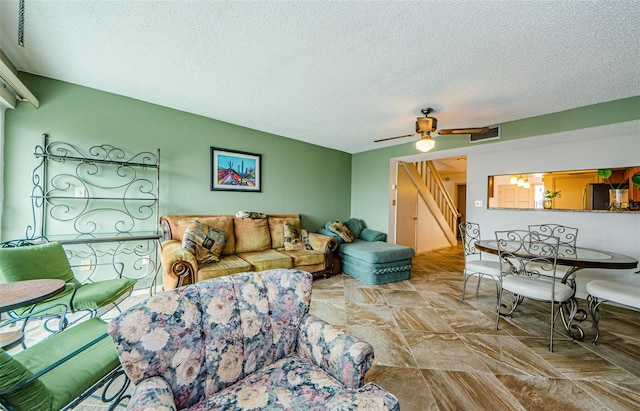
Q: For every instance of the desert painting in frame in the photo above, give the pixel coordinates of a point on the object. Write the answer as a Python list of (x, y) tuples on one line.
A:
[(233, 170)]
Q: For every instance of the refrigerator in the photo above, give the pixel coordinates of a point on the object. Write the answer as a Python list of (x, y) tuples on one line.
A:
[(597, 196)]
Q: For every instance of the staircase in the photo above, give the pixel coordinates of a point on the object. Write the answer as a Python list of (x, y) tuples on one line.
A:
[(431, 189)]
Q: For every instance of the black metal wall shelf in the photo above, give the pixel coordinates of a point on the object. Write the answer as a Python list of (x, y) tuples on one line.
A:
[(102, 204)]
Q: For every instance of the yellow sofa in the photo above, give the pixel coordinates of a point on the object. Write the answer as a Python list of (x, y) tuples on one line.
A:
[(253, 244)]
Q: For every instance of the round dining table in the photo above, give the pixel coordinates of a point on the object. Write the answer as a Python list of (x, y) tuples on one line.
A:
[(22, 294)]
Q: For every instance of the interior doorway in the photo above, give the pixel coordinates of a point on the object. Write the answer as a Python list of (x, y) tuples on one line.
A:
[(461, 203), (406, 210), (412, 225)]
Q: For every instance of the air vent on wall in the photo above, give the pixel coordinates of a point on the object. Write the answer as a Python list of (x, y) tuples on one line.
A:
[(492, 134)]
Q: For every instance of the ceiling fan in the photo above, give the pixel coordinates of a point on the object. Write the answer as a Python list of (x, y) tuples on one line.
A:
[(427, 125)]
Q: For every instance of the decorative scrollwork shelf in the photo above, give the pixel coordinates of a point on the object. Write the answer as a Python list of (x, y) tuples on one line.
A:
[(102, 205)]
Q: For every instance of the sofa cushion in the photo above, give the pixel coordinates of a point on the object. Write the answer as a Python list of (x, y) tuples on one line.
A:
[(204, 242), (273, 388), (70, 380), (342, 230), (304, 257), (33, 396), (251, 214), (355, 226), (221, 321), (228, 264), (91, 296), (377, 251), (289, 295), (223, 223), (251, 235), (368, 234), (247, 318), (296, 238), (266, 260), (276, 227), (40, 261)]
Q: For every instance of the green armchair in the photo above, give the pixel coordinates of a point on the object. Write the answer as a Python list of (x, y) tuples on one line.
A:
[(49, 261), (63, 370)]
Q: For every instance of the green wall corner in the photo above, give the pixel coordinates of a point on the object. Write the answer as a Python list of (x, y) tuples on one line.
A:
[(297, 177)]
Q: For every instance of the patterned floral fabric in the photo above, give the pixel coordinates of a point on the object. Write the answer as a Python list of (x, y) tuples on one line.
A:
[(345, 357), (152, 394), (242, 342), (163, 337), (293, 384)]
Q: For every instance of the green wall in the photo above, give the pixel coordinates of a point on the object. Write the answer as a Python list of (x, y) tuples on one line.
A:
[(370, 169), (297, 177)]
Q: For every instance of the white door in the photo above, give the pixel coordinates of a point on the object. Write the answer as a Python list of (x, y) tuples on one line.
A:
[(512, 196), (406, 210)]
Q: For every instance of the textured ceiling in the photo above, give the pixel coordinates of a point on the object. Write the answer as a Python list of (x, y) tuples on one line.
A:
[(338, 74)]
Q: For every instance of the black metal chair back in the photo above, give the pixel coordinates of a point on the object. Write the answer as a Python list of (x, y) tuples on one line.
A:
[(470, 234), (567, 236)]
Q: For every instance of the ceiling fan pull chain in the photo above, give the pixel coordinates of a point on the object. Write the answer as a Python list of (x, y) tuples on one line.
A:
[(21, 23)]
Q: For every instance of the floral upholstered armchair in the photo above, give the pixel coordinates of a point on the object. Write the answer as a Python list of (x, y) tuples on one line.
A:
[(244, 341)]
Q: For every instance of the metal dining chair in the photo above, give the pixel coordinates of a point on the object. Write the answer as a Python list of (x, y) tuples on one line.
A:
[(603, 291), (522, 255), (474, 264), (567, 237)]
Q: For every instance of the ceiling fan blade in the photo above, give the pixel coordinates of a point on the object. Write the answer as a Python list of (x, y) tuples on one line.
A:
[(478, 130), (393, 138)]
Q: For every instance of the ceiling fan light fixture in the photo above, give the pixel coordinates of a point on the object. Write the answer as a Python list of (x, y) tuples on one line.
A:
[(424, 124), (425, 143)]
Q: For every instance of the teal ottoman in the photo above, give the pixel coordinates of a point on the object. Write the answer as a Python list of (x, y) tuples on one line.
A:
[(376, 262)]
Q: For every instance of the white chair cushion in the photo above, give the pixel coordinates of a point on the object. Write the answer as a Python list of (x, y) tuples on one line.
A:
[(536, 288), (491, 268), (615, 292)]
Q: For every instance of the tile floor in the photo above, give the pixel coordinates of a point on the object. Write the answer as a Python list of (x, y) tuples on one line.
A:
[(437, 352)]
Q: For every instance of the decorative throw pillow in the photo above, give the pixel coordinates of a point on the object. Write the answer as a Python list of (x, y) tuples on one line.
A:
[(204, 242), (296, 239), (251, 214), (305, 239), (355, 226), (341, 230)]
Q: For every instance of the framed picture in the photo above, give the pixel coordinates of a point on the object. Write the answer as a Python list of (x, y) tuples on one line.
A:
[(235, 170)]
